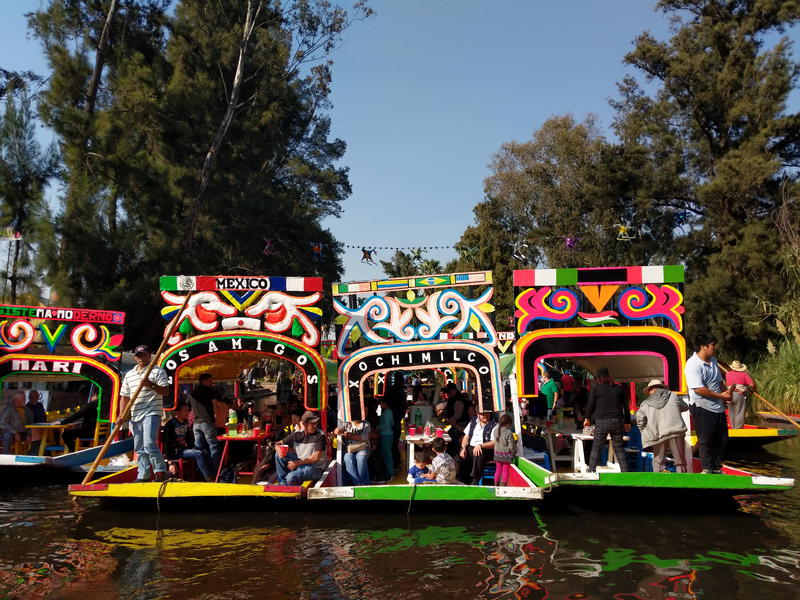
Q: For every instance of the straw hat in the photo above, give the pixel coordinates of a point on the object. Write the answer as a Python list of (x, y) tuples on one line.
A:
[(655, 383), (737, 366)]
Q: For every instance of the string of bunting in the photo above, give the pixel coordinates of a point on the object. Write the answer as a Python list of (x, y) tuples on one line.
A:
[(360, 246)]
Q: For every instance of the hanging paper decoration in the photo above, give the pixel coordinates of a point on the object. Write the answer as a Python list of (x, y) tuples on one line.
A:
[(571, 242), (520, 252), (9, 234), (316, 250), (416, 255), (625, 233), (366, 255), (410, 249), (269, 247)]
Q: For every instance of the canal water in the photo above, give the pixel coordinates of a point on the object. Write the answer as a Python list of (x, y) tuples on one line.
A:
[(52, 547)]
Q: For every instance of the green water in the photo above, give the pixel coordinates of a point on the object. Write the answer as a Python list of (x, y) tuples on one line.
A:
[(52, 547)]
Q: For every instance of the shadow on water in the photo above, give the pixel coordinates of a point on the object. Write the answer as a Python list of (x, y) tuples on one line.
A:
[(51, 547)]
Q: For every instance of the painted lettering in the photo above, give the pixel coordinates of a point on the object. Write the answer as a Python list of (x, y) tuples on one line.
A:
[(20, 365), (236, 344), (258, 345), (362, 365), (212, 347), (170, 365), (395, 359), (379, 361), (280, 349), (76, 368), (302, 359), (471, 357), (426, 357), (483, 370), (60, 366), (183, 355), (312, 379), (353, 383), (39, 366), (455, 356)]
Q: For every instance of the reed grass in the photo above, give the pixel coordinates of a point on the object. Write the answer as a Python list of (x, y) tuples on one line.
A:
[(777, 376)]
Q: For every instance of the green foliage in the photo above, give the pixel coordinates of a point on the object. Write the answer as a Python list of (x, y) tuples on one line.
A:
[(404, 264), (207, 136), (778, 377), (25, 170)]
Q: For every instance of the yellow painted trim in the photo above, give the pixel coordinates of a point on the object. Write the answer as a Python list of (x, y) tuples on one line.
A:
[(183, 489)]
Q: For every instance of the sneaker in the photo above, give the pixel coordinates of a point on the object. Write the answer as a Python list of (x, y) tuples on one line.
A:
[(141, 481), (707, 472), (160, 477), (717, 471)]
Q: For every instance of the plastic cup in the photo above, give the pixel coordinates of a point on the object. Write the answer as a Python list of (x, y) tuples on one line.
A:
[(439, 432), (427, 431), (283, 450), (239, 428), (256, 431), (412, 430)]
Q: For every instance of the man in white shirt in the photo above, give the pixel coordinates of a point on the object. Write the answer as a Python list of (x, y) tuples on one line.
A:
[(708, 397), (477, 447), (146, 413)]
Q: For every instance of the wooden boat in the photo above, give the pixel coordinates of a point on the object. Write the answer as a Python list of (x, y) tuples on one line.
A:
[(228, 325), (53, 344), (753, 437)]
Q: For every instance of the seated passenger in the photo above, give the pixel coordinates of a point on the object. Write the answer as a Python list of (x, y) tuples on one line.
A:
[(356, 436), (443, 467), (12, 421), (477, 447), (416, 474), (85, 418), (34, 413), (179, 443), (306, 457)]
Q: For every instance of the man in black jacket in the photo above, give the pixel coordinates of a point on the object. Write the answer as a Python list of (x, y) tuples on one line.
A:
[(609, 410), (477, 448), (87, 415)]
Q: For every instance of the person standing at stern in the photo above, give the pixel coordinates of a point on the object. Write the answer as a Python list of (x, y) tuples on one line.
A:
[(707, 398), (146, 412)]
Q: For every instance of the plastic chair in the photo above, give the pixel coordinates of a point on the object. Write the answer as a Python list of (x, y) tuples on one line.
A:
[(488, 474), (101, 432)]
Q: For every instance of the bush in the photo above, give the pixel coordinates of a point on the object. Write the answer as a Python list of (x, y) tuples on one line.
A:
[(777, 375)]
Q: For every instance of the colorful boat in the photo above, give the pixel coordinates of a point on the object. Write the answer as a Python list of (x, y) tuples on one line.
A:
[(229, 324), (60, 345), (628, 319)]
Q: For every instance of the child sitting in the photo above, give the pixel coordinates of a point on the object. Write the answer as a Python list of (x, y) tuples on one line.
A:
[(443, 467), (416, 474)]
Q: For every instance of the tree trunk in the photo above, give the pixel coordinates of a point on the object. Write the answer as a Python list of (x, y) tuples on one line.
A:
[(14, 267), (99, 60), (222, 130)]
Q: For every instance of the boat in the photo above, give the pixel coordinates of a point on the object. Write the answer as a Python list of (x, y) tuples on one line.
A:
[(229, 324), (629, 320), (43, 344)]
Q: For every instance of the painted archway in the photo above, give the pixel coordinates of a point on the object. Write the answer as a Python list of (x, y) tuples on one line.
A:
[(225, 354), (630, 353), (473, 356), (54, 367)]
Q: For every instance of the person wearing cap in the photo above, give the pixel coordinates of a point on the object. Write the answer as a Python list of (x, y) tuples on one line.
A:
[(477, 447), (660, 421), (608, 409), (707, 399), (306, 457), (204, 400), (743, 385), (145, 417)]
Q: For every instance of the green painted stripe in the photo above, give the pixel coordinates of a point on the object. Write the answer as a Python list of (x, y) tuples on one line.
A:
[(673, 274), (532, 471), (567, 276), (427, 492), (697, 481), (168, 283)]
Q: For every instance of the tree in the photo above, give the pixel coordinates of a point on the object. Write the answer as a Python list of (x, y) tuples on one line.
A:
[(718, 127), (25, 171), (209, 138)]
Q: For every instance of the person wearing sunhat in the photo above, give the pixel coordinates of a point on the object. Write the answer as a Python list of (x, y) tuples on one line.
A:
[(145, 417), (743, 384), (662, 426), (305, 459)]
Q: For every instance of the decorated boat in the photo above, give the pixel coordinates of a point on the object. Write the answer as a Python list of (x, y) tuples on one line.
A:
[(417, 324), (629, 320), (229, 324), (59, 347)]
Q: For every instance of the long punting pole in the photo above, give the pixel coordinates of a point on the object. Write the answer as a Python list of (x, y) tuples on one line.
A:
[(726, 368), (127, 411)]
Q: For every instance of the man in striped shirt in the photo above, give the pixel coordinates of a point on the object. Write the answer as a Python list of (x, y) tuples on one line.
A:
[(145, 420)]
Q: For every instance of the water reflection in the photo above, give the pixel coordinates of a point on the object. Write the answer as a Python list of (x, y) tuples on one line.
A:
[(51, 547)]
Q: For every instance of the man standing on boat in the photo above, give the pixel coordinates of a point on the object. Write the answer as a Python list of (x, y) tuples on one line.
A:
[(146, 413), (707, 397), (202, 400)]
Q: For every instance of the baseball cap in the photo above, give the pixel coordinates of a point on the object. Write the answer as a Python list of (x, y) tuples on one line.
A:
[(142, 349), (309, 416)]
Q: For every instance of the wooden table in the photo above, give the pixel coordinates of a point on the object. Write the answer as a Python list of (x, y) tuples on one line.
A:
[(423, 440), (249, 437), (49, 432), (579, 464)]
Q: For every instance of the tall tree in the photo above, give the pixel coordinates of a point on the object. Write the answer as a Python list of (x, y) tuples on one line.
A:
[(208, 143), (717, 125), (25, 170)]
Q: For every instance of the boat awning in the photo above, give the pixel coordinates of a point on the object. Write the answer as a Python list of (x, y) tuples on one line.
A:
[(624, 367), (225, 366)]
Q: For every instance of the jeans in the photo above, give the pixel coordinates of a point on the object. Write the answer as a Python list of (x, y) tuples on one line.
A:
[(602, 429), (205, 440), (712, 436), (200, 458), (297, 476), (356, 466), (145, 444)]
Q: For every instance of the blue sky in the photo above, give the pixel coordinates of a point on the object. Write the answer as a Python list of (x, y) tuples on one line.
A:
[(425, 91)]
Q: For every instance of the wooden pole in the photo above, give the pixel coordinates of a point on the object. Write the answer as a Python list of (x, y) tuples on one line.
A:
[(127, 410)]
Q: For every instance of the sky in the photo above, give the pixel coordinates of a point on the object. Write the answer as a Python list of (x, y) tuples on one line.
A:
[(426, 91)]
